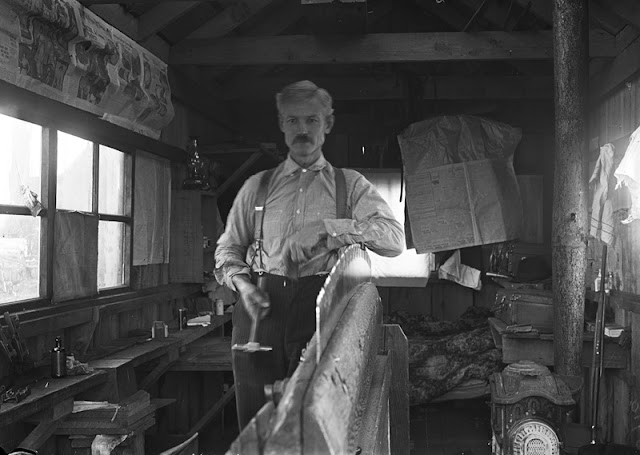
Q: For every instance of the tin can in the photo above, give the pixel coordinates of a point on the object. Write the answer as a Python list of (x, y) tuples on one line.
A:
[(182, 314), (219, 307)]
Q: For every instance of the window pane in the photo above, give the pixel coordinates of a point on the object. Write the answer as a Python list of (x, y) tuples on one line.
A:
[(111, 255), (75, 173), (19, 257), (111, 182), (20, 159)]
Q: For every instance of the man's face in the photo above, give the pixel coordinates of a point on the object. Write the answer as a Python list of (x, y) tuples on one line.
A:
[(304, 125)]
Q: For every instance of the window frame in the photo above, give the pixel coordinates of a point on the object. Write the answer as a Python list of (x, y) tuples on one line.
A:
[(48, 196)]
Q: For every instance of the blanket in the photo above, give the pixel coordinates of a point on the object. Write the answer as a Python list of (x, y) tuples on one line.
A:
[(443, 354)]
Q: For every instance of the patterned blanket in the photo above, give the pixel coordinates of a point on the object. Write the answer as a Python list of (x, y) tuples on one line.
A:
[(443, 354)]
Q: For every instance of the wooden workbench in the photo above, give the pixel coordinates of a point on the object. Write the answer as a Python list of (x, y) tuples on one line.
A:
[(120, 366)]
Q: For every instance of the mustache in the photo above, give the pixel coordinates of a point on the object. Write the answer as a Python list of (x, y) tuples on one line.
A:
[(301, 139)]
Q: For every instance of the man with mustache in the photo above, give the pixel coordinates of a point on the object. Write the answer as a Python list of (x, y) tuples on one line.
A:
[(287, 226)]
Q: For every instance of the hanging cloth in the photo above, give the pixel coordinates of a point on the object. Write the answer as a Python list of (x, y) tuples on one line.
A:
[(601, 225), (628, 174)]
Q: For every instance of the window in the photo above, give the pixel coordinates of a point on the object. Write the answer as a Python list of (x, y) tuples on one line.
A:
[(82, 167), (114, 209), (410, 269), (92, 181), (20, 178)]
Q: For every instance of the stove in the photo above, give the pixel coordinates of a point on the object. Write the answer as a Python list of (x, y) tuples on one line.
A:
[(529, 404)]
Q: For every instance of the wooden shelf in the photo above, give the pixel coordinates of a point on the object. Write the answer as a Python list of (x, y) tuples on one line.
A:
[(46, 392)]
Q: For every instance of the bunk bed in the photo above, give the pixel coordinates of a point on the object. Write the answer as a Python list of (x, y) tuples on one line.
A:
[(448, 359)]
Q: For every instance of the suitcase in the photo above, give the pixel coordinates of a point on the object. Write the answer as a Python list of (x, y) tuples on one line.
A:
[(525, 306)]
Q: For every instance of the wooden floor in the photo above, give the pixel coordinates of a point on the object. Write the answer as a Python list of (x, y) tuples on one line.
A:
[(460, 427), (452, 428)]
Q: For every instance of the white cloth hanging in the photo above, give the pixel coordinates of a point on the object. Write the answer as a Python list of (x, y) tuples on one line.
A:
[(601, 225), (628, 174)]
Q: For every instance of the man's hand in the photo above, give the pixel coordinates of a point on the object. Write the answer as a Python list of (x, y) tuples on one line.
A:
[(305, 244), (254, 299)]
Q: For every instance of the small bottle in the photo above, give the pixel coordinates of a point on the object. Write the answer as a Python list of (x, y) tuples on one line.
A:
[(58, 360), (608, 284), (598, 281)]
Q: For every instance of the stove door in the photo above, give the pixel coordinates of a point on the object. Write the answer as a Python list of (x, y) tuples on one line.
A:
[(533, 437)]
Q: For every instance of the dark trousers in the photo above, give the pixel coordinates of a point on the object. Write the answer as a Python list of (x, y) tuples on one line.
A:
[(287, 328)]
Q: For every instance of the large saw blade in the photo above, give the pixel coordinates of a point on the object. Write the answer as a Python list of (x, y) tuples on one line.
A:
[(352, 269)]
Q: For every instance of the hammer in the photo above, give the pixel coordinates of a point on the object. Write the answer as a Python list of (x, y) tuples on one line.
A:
[(252, 345)]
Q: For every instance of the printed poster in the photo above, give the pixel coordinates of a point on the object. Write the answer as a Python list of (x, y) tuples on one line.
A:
[(61, 50)]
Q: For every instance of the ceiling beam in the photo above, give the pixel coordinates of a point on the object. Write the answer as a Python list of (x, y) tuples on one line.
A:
[(542, 9), (624, 67), (383, 47), (236, 14), (160, 16), (629, 10), (389, 88)]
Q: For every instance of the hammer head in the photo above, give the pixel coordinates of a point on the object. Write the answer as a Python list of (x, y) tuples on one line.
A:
[(251, 346)]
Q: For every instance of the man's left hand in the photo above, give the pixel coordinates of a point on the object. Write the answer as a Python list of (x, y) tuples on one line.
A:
[(307, 243)]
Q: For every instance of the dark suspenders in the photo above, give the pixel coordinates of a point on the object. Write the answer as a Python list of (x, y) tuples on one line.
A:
[(261, 202)]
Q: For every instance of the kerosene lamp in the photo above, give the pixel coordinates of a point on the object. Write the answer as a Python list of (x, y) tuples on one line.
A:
[(197, 178)]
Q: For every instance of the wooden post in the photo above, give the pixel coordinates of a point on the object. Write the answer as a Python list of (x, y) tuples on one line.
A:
[(569, 230)]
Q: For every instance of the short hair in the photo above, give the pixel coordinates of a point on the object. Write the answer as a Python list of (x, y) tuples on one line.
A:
[(304, 91)]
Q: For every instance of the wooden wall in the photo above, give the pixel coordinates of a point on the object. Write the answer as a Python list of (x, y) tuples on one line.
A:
[(613, 121)]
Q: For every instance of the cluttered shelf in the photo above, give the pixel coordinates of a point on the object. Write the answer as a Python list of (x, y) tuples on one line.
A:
[(45, 392)]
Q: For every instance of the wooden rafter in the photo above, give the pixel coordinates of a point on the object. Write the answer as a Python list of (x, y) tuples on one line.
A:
[(622, 68), (160, 16), (383, 47), (236, 14), (381, 88), (629, 10)]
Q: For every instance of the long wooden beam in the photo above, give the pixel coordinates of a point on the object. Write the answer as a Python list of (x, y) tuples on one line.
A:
[(388, 88), (382, 47)]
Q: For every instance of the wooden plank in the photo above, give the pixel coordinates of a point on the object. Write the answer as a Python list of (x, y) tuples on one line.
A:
[(55, 323), (214, 411), (375, 421), (187, 447), (163, 366), (45, 394), (622, 68), (40, 434), (252, 437), (185, 255), (54, 412), (206, 354), (160, 16), (231, 18), (29, 106), (396, 342), (383, 47), (337, 387), (239, 172), (435, 87)]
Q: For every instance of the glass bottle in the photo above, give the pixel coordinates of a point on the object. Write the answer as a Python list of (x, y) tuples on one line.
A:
[(58, 360)]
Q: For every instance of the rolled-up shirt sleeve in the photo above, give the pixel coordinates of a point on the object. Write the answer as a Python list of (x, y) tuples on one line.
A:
[(232, 246), (372, 222)]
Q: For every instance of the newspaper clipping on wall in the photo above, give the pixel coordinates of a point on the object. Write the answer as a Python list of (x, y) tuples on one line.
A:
[(461, 186), (61, 50)]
